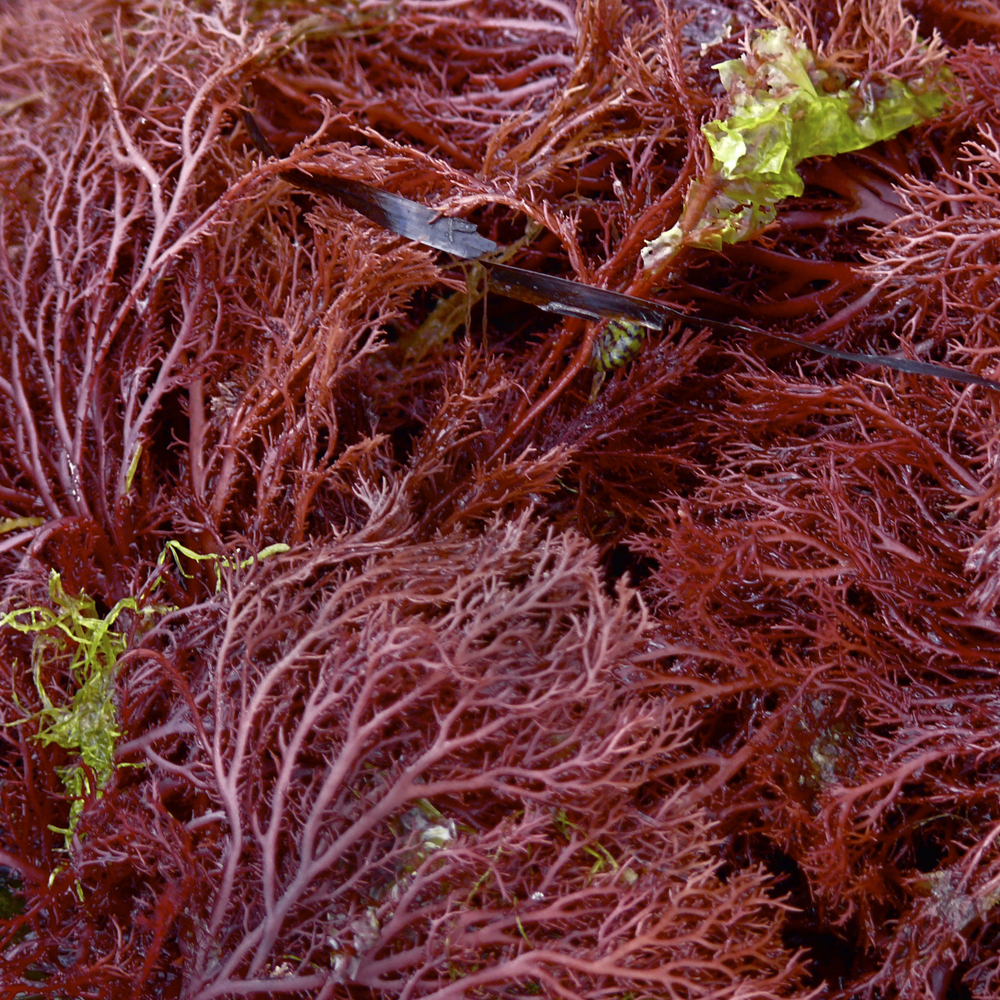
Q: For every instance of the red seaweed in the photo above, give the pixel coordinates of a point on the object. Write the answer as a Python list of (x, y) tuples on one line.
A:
[(448, 673)]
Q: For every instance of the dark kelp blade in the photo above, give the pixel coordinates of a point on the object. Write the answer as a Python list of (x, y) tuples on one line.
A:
[(411, 220), (403, 216), (573, 298), (909, 365), (400, 215)]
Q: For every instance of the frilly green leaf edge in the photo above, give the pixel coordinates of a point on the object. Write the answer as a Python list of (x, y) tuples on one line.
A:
[(786, 109)]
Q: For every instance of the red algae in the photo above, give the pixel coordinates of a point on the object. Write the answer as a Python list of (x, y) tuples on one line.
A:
[(683, 687)]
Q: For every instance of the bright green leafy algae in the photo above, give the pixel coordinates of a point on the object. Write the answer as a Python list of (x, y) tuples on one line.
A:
[(785, 109), (73, 636)]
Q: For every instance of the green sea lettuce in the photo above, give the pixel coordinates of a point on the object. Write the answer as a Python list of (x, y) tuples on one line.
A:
[(785, 109)]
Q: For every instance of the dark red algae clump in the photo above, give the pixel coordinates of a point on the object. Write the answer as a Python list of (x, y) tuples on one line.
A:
[(434, 672)]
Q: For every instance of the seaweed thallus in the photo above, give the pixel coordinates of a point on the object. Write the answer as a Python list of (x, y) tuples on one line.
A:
[(786, 107), (352, 646)]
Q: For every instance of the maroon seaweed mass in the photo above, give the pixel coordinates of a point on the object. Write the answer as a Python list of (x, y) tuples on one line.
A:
[(686, 688)]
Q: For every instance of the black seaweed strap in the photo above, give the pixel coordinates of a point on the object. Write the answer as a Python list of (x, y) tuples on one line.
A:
[(462, 239)]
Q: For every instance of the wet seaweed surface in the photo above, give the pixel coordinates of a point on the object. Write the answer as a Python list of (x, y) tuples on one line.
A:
[(424, 666)]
